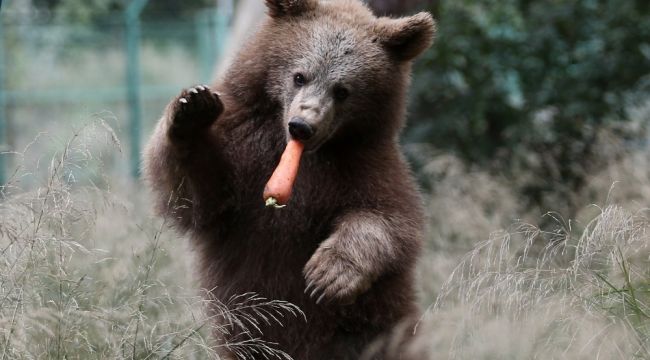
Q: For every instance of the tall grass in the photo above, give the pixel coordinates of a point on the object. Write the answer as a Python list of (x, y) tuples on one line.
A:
[(86, 274), (579, 296), (565, 289)]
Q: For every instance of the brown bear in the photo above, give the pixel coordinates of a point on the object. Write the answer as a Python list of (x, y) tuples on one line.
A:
[(335, 77)]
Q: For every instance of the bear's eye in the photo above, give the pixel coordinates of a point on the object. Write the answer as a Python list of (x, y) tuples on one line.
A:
[(299, 80), (340, 93)]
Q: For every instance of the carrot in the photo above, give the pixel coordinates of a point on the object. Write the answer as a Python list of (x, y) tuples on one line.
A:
[(278, 189)]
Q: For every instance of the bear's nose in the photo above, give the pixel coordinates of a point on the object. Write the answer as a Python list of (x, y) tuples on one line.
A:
[(299, 129)]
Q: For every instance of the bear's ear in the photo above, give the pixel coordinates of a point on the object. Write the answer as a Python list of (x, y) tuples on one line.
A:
[(280, 8), (406, 38)]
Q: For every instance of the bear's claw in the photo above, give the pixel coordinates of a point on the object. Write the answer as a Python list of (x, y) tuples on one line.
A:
[(331, 277), (196, 109)]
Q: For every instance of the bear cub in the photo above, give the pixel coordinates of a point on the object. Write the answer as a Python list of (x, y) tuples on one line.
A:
[(344, 249)]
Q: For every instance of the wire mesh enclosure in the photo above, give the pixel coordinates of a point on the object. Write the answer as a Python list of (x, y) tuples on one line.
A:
[(122, 68)]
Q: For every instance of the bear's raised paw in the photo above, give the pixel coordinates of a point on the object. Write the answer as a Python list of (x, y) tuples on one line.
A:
[(194, 110), (333, 278)]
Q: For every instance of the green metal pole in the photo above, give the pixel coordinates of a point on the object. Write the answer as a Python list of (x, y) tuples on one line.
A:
[(3, 110), (222, 19), (202, 27), (132, 18)]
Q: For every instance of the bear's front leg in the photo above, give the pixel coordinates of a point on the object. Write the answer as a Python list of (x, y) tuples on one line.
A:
[(183, 162), (362, 248), (191, 114)]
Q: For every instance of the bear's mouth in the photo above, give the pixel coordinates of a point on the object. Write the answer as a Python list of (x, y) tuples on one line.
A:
[(315, 142), (300, 129), (312, 147), (310, 119)]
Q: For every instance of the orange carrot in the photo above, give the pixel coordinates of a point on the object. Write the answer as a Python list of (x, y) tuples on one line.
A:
[(278, 189)]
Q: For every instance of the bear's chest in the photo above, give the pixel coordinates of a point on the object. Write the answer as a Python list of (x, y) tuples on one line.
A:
[(319, 187), (323, 189)]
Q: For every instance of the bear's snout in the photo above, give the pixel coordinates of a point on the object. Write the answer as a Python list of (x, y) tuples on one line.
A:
[(299, 129)]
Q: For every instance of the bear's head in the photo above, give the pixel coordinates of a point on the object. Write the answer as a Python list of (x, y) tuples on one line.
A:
[(338, 71)]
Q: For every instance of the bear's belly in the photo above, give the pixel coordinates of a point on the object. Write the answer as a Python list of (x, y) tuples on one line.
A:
[(254, 257), (265, 254)]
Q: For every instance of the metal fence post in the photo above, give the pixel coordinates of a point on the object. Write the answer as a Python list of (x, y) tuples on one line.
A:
[(132, 19), (202, 25), (3, 110), (223, 15)]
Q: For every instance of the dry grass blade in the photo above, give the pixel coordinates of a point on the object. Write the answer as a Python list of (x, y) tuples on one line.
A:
[(85, 273), (553, 294)]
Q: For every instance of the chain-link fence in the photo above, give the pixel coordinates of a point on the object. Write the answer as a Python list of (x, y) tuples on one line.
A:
[(56, 75)]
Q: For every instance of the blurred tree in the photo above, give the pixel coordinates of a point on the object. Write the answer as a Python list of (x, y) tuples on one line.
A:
[(175, 9), (49, 4), (99, 11), (399, 7), (85, 11), (529, 83)]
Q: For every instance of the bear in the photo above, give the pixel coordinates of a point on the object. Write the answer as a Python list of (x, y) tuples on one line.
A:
[(332, 75)]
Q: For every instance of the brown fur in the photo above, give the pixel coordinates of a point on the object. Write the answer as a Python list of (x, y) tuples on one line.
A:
[(351, 232)]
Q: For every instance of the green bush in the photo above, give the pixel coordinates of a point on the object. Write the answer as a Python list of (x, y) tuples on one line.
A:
[(100, 11), (517, 77)]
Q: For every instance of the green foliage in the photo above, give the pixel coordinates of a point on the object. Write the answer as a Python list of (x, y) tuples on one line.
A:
[(86, 12), (518, 76), (101, 11)]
